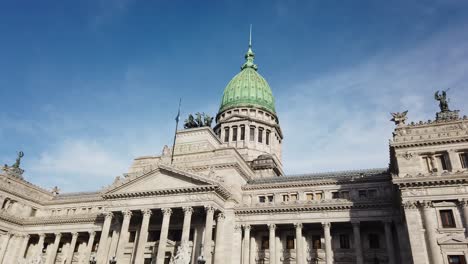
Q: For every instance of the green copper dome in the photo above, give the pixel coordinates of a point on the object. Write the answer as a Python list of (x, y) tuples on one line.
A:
[(248, 88)]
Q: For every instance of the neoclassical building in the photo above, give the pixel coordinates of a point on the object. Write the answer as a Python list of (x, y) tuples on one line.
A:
[(221, 196)]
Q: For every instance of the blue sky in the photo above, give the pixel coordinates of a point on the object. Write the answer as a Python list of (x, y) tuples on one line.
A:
[(86, 86)]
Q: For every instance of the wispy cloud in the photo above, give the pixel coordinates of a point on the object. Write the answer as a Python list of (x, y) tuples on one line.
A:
[(341, 120)]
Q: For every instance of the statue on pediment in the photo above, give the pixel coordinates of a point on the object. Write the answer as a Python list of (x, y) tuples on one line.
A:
[(399, 118), (443, 102), (15, 170), (199, 120)]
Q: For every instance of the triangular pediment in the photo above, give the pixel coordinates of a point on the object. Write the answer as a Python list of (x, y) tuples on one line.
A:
[(159, 179), (450, 240)]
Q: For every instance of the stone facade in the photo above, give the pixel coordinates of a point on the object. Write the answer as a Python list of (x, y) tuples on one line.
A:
[(225, 199)]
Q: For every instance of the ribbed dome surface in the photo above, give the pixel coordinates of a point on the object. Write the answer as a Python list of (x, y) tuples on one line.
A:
[(248, 88)]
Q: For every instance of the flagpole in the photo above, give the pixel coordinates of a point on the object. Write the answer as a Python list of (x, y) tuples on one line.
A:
[(175, 133)]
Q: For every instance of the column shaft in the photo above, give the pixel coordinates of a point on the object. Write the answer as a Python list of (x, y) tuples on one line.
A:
[(53, 252), (328, 244), (23, 247), (357, 243), (246, 245), (464, 207), (299, 240), (389, 243), (140, 251), (167, 212), (102, 249), (219, 245), (40, 245), (207, 246), (124, 235), (186, 226), (71, 250), (237, 245), (89, 246), (272, 243), (113, 244), (435, 255), (5, 242)]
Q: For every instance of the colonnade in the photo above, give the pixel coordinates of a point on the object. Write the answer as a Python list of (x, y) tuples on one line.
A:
[(300, 247)]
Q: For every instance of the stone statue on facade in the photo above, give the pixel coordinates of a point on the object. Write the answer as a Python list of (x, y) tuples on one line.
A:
[(183, 255), (399, 118), (200, 120), (15, 170), (442, 98)]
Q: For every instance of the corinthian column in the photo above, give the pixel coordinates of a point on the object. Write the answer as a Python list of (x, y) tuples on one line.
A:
[(208, 233), (167, 212), (188, 211), (123, 240), (71, 249), (328, 244), (389, 242), (272, 244), (102, 249), (357, 242), (89, 246), (246, 245), (53, 252), (140, 252), (40, 245), (299, 253), (435, 255), (24, 246), (219, 246)]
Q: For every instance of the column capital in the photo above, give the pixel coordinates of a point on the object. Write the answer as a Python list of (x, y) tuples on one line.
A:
[(410, 205), (387, 221), (247, 227), (146, 212), (221, 217), (298, 225), (463, 202), (166, 211), (92, 233), (74, 234), (426, 204), (58, 235), (237, 228), (356, 223), (41, 235), (127, 213), (108, 215), (271, 226), (188, 210), (326, 224), (209, 208)]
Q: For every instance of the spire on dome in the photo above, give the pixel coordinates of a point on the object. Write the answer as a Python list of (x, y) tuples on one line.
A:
[(250, 55)]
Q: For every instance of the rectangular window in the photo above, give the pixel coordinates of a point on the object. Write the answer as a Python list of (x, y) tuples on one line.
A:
[(285, 198), (316, 242), (270, 198), (242, 133), (335, 195), (344, 195), (226, 134), (447, 219), (309, 196), (234, 134), (153, 236), (289, 242), (261, 199), (252, 134), (260, 135), (460, 259), (267, 137), (293, 197), (362, 194), (374, 241), (441, 163), (265, 242), (318, 196), (372, 193), (464, 160), (344, 241)]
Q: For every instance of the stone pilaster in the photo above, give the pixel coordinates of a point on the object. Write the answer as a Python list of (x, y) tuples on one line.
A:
[(328, 244), (71, 250), (357, 242), (219, 246), (5, 241), (435, 256), (246, 245), (299, 247), (389, 242), (272, 243), (416, 233), (102, 249), (52, 254), (140, 251), (208, 233), (188, 211), (124, 235), (237, 245), (463, 203), (167, 212), (89, 246)]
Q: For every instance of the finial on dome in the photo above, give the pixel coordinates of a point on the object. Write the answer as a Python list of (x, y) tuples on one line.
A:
[(250, 55)]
